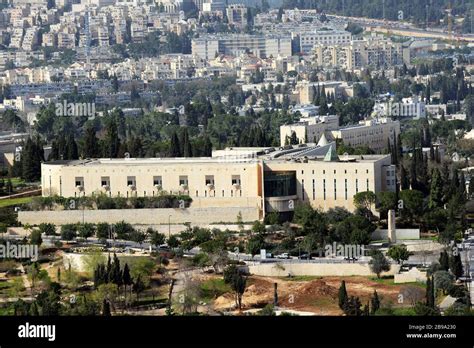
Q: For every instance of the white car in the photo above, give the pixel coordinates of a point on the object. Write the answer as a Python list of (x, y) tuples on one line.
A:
[(283, 256)]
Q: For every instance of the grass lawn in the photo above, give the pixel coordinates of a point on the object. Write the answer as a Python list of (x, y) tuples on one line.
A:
[(388, 280), (213, 288), (17, 181), (14, 201), (302, 278), (6, 311)]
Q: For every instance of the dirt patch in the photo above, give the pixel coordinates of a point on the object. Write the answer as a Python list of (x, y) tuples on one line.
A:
[(319, 296)]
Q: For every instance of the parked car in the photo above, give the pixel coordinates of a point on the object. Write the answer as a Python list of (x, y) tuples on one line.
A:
[(283, 256), (305, 257)]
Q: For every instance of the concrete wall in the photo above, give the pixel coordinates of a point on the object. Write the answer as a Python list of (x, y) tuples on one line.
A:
[(141, 216), (405, 233), (282, 269), (412, 276)]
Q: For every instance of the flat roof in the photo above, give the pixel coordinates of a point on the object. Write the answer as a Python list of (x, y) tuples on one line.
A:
[(312, 154)]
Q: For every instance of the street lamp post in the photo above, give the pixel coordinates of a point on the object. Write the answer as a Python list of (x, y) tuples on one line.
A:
[(169, 226)]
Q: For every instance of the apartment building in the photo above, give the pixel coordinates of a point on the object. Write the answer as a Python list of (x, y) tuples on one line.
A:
[(374, 52), (407, 107), (262, 46), (237, 15), (310, 39), (30, 40)]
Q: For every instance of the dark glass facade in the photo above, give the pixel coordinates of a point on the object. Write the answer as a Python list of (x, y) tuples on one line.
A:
[(280, 184)]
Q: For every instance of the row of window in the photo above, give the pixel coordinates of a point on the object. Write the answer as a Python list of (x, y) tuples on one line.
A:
[(157, 180), (335, 188), (335, 172)]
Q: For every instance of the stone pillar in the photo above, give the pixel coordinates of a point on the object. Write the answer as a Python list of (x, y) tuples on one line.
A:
[(392, 230)]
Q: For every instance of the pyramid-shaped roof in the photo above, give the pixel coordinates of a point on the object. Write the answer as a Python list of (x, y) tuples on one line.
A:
[(323, 141), (331, 155)]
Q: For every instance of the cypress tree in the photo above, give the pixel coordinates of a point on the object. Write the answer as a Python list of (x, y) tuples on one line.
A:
[(404, 181), (444, 260), (430, 292), (175, 148), (436, 190), (106, 308), (455, 265), (375, 302), (91, 143), (187, 149), (31, 157), (342, 295), (112, 140), (207, 149), (462, 186), (71, 149)]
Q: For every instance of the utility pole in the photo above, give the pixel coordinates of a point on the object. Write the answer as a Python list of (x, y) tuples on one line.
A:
[(169, 226)]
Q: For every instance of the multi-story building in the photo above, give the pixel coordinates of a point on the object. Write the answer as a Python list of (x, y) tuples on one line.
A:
[(309, 39), (66, 40), (49, 40), (213, 6), (264, 178), (262, 46), (372, 133), (237, 15), (308, 129), (408, 107), (16, 38), (374, 52), (30, 40)]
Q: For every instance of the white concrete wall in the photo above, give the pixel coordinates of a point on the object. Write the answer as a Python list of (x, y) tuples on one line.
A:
[(412, 276), (141, 216), (402, 233)]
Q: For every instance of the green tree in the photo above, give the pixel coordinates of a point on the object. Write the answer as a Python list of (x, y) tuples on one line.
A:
[(386, 201), (455, 265), (342, 295), (32, 155), (106, 308), (47, 228), (237, 281), (35, 237), (91, 143), (443, 280), (412, 204), (444, 260), (86, 230), (175, 148), (436, 190), (68, 231), (255, 244), (103, 231), (374, 302), (430, 293), (157, 238), (379, 263), (352, 307), (112, 140), (364, 201), (399, 253)]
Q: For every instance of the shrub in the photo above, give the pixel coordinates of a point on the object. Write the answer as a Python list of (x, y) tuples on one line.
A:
[(68, 231)]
